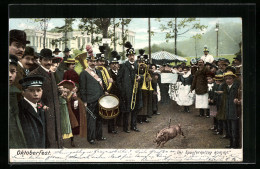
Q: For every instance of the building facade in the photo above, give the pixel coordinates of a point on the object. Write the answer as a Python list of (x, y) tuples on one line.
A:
[(77, 40)]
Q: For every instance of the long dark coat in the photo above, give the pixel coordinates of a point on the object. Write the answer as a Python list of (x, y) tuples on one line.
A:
[(125, 82), (199, 82), (90, 89), (16, 135), (231, 108), (52, 116), (33, 124)]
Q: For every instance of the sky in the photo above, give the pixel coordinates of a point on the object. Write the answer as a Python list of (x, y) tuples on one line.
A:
[(138, 25)]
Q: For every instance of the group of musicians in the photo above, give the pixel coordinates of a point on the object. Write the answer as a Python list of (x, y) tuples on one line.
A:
[(47, 91)]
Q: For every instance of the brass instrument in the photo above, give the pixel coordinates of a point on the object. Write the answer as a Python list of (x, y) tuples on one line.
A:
[(147, 86), (82, 59), (105, 76), (135, 87)]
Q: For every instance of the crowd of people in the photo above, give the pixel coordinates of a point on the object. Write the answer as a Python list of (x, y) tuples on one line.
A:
[(49, 101)]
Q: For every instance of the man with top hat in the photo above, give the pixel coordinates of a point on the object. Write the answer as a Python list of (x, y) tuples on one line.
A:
[(50, 99), (113, 72), (32, 111), (207, 57), (17, 43), (56, 52), (230, 93), (127, 75), (92, 87), (16, 135)]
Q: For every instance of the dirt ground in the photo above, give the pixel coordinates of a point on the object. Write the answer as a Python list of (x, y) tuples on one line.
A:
[(195, 128)]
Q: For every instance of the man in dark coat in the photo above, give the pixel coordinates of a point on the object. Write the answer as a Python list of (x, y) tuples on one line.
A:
[(230, 91), (31, 111), (50, 99), (16, 135), (17, 43), (155, 80), (125, 81), (200, 85), (91, 89)]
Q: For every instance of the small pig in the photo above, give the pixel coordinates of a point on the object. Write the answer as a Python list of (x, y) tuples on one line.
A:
[(167, 133)]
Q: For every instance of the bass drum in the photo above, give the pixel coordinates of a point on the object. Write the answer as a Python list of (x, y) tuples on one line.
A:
[(108, 106)]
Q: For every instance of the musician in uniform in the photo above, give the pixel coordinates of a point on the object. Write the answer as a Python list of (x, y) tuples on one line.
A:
[(143, 93), (127, 75), (91, 89), (50, 99), (113, 72)]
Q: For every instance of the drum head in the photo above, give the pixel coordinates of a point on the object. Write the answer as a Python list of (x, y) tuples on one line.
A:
[(109, 102)]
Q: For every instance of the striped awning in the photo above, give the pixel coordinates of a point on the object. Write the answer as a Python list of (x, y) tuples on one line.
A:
[(163, 55)]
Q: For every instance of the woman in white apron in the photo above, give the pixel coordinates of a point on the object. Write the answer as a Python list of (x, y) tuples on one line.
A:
[(185, 97)]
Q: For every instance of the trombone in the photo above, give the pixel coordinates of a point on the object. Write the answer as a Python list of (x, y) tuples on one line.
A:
[(135, 87)]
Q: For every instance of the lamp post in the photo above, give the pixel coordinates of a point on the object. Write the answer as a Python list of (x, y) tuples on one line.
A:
[(217, 29)]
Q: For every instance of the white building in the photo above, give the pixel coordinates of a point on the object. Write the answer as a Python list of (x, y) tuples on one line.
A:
[(77, 40)]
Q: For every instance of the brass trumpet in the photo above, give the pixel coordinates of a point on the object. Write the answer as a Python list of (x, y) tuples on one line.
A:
[(147, 85), (105, 76)]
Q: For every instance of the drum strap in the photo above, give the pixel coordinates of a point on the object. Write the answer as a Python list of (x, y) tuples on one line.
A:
[(95, 76)]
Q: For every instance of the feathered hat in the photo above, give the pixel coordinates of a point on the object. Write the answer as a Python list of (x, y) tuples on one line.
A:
[(115, 57), (101, 56), (129, 50), (141, 56), (90, 53)]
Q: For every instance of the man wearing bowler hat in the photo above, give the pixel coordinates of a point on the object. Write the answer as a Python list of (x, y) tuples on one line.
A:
[(56, 52), (17, 43), (50, 99)]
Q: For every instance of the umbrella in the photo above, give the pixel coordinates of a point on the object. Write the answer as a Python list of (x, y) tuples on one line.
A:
[(166, 57)]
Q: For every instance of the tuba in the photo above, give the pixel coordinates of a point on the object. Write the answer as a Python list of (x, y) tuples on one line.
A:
[(82, 59), (105, 76)]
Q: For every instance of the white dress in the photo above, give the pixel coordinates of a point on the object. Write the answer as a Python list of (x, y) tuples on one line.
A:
[(185, 97)]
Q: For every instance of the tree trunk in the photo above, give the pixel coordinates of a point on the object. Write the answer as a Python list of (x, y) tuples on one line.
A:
[(123, 39), (114, 20), (175, 37), (149, 31)]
